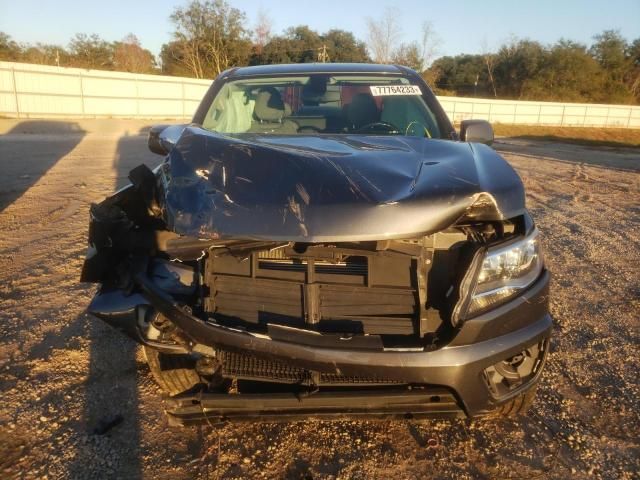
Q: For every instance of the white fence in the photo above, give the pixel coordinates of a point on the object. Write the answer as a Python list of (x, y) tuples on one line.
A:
[(38, 91), (542, 113)]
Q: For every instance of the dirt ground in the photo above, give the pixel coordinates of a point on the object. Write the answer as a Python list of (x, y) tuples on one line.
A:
[(65, 377)]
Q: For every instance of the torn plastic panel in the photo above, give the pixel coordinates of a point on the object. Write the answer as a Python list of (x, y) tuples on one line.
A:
[(127, 223), (332, 188)]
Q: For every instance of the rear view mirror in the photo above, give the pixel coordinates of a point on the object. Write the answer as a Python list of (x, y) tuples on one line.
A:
[(478, 131), (162, 138)]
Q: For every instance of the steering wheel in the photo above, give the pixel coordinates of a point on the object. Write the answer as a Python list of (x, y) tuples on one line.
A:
[(421, 131), (378, 127)]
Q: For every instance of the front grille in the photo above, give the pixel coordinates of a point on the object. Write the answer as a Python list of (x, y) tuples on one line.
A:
[(249, 367), (275, 254), (243, 366), (319, 267), (327, 289), (335, 379)]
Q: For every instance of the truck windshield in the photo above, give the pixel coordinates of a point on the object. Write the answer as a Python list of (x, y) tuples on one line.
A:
[(322, 104)]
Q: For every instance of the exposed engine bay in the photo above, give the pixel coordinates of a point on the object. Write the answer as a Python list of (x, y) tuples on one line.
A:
[(392, 295)]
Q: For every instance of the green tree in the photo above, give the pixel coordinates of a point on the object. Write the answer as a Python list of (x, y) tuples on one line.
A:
[(45, 54), (633, 75), (278, 49), (569, 74), (464, 75), (209, 37), (610, 49), (9, 50), (302, 45), (633, 52), (517, 63), (90, 51), (344, 47)]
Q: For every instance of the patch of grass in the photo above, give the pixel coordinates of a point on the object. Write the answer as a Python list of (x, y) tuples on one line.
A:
[(589, 136)]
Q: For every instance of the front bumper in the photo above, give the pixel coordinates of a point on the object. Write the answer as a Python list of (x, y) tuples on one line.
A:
[(215, 408), (458, 368)]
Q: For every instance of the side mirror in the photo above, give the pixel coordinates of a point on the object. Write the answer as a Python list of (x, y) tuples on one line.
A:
[(162, 138), (479, 131)]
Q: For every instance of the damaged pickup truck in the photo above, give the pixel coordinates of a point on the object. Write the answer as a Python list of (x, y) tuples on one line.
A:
[(320, 242)]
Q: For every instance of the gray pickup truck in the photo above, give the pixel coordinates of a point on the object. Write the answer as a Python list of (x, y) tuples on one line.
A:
[(320, 242)]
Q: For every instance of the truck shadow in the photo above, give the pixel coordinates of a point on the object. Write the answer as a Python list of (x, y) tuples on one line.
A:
[(111, 422), (17, 175), (603, 156)]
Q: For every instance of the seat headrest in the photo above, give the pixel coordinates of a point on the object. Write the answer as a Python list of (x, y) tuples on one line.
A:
[(362, 110), (315, 90), (269, 106)]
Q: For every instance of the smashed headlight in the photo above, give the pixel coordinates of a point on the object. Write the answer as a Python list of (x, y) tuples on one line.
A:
[(504, 271)]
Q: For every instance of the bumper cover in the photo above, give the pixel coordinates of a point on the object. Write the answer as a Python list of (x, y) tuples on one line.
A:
[(459, 366)]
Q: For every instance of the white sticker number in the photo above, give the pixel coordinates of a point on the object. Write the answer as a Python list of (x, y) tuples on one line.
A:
[(381, 90)]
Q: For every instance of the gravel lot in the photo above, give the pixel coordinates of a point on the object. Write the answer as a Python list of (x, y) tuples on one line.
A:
[(65, 376)]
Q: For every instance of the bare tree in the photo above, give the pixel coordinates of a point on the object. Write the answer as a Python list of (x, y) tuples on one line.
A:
[(430, 43), (190, 34), (635, 85), (409, 55), (431, 75), (129, 56), (489, 61), (383, 35), (262, 30)]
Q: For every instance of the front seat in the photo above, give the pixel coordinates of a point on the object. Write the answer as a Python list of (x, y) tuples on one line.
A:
[(269, 113), (362, 111)]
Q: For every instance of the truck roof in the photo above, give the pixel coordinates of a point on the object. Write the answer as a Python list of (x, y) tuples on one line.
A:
[(303, 68)]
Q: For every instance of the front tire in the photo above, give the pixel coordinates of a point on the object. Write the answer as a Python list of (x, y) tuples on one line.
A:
[(517, 406), (174, 374)]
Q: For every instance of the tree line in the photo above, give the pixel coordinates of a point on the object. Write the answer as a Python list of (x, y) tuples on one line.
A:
[(84, 51), (606, 72), (210, 36)]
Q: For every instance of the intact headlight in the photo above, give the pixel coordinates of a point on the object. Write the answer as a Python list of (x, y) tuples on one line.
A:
[(505, 271)]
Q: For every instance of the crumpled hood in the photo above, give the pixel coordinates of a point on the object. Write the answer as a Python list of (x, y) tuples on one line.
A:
[(331, 187)]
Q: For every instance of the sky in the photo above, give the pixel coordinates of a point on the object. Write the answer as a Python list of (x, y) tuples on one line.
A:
[(463, 26)]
